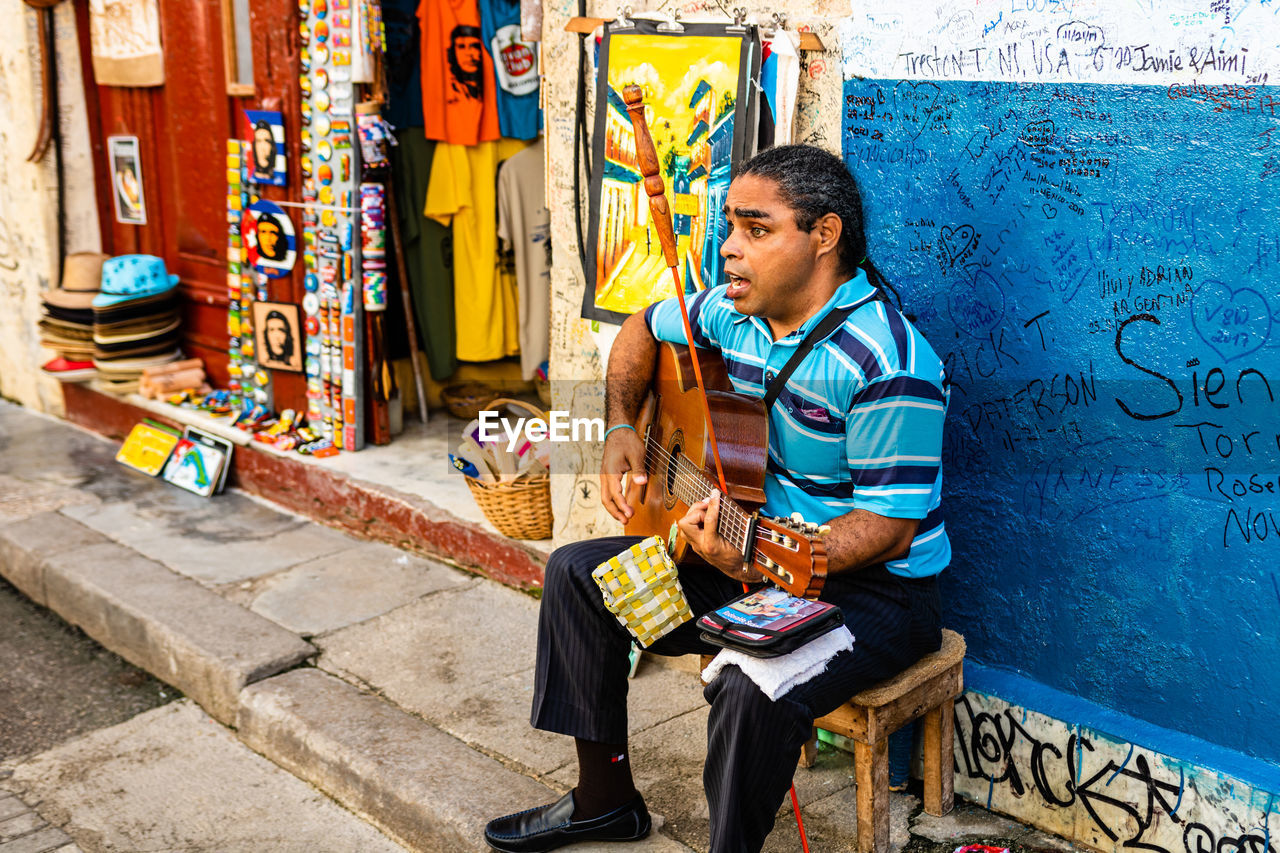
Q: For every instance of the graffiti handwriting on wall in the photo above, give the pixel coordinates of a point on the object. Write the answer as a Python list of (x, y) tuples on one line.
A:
[(9, 250), (1024, 216), (1097, 265), (1063, 41), (1131, 802)]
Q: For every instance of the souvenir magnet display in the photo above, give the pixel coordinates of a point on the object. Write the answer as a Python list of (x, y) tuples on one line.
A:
[(252, 284), (332, 307), (267, 148), (235, 210), (373, 245), (268, 232), (126, 180), (240, 282)]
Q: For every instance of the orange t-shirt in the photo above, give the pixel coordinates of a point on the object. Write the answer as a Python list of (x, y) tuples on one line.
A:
[(459, 103)]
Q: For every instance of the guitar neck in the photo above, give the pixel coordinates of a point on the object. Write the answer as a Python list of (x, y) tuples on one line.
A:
[(785, 552), (690, 485)]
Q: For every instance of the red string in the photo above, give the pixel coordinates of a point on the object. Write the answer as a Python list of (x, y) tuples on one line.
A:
[(715, 447), (697, 376), (795, 804)]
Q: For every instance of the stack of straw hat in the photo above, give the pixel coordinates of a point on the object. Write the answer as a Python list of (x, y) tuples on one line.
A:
[(66, 326), (136, 321)]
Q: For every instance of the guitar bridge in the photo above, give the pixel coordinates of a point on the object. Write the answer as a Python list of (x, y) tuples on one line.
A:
[(750, 536)]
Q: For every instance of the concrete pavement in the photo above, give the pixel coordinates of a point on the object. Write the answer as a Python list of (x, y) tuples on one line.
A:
[(174, 779), (396, 684)]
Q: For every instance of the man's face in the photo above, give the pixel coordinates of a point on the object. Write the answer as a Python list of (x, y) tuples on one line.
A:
[(264, 147), (467, 51), (268, 239), (769, 262), (277, 336)]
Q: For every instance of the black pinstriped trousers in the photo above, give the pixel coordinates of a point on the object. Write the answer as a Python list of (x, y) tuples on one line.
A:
[(753, 743)]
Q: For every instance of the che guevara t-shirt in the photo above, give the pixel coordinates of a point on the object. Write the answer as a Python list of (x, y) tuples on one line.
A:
[(458, 101)]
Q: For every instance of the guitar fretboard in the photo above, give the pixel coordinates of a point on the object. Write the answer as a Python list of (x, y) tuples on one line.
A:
[(690, 485)]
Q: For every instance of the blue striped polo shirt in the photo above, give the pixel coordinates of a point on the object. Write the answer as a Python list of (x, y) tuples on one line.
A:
[(859, 423)]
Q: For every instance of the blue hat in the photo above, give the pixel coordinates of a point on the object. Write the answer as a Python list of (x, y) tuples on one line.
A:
[(130, 277)]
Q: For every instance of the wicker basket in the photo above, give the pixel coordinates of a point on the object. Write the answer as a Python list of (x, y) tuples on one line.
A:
[(641, 587), (544, 390), (468, 399), (520, 509)]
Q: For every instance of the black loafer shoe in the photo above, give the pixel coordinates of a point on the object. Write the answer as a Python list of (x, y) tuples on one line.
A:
[(552, 826)]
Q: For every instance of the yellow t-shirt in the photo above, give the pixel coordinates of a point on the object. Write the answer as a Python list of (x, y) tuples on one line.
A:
[(462, 194)]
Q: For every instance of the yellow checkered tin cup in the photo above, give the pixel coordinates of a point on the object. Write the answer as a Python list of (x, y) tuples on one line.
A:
[(641, 588)]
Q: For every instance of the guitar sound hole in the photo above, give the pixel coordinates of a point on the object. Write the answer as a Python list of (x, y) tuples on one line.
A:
[(675, 449)]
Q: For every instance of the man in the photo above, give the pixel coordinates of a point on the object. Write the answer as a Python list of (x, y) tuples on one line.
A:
[(855, 443), (271, 243), (466, 53), (127, 190), (264, 152), (278, 338)]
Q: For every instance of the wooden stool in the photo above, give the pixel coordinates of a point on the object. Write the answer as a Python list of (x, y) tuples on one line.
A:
[(927, 689)]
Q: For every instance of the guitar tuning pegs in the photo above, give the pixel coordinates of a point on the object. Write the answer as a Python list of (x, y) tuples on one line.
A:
[(797, 519), (824, 529)]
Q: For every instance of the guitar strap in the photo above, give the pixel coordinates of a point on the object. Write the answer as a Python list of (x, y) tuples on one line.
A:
[(826, 326)]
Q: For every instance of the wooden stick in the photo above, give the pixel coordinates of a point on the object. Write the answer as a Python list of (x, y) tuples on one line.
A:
[(170, 382), (44, 18), (409, 320), (660, 215), (647, 161), (173, 367)]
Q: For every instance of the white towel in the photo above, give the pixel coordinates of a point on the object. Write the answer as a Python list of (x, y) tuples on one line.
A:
[(775, 676)]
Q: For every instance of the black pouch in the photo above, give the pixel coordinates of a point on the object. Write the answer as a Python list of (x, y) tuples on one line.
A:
[(768, 623)]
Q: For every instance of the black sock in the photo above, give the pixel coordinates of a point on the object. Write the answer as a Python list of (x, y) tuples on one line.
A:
[(604, 779)]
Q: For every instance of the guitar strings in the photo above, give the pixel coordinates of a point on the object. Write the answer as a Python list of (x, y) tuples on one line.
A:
[(687, 480), (690, 477), (687, 475)]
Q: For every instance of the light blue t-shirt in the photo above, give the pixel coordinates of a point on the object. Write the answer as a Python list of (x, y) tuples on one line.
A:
[(859, 423), (515, 69)]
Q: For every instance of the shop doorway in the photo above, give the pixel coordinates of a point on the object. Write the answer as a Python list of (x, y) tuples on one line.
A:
[(182, 129)]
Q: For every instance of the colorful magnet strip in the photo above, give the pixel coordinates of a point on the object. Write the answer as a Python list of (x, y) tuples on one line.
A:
[(334, 280)]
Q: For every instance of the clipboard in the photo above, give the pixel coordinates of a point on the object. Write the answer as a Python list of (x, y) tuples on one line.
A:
[(199, 463), (147, 447)]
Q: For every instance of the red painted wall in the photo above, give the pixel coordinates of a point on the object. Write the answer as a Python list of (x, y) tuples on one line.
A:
[(182, 129)]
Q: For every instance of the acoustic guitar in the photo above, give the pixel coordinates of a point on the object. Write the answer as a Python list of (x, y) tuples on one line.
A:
[(789, 552)]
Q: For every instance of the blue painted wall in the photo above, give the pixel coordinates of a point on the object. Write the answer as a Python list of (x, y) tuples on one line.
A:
[(1099, 266)]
